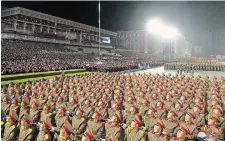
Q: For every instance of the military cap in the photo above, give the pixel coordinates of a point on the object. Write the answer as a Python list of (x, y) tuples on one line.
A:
[(214, 117), (160, 123), (97, 113), (27, 118), (137, 120), (36, 102), (47, 123), (13, 115), (67, 127)]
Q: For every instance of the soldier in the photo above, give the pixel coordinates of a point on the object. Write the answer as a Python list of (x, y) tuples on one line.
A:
[(61, 116), (3, 116), (95, 127), (156, 134), (133, 133), (59, 103), (5, 105), (199, 116), (144, 106), (161, 112), (103, 110), (27, 131), (46, 113), (11, 129), (79, 124), (72, 106), (24, 108), (45, 127), (179, 111), (113, 130), (133, 112), (89, 110), (66, 132), (169, 101), (42, 99), (34, 111), (182, 133), (15, 105), (170, 123), (150, 119)]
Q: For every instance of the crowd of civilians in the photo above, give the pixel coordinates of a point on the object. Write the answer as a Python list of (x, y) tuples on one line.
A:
[(26, 56)]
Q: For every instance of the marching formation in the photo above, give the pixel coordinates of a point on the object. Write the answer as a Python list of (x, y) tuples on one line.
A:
[(189, 67), (114, 107)]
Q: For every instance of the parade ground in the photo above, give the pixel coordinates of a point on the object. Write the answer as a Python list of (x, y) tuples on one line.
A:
[(161, 70)]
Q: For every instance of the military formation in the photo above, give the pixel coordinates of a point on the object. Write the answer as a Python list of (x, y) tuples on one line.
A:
[(190, 67), (114, 107)]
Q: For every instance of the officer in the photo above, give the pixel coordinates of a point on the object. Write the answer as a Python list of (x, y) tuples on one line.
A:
[(11, 130), (5, 105), (113, 129), (44, 133), (156, 134), (79, 124), (15, 105), (133, 112), (27, 131), (95, 127), (133, 133)]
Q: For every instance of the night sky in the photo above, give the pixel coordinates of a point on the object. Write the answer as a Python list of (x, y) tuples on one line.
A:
[(117, 15)]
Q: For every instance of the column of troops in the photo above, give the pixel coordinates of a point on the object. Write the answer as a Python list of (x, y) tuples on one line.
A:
[(189, 67), (114, 107)]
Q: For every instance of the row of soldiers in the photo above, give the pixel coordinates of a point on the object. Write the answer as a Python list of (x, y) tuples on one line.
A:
[(189, 67), (114, 107)]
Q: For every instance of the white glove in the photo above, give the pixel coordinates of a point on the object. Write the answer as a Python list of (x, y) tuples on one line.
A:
[(53, 112), (38, 124), (68, 112), (164, 133), (143, 128), (102, 139), (124, 126)]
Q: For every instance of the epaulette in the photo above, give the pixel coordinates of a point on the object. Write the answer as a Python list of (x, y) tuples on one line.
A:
[(165, 136), (46, 136), (222, 118), (2, 123), (129, 127), (13, 126), (30, 130), (82, 118), (7, 123), (49, 114), (175, 138), (151, 131), (142, 132), (202, 114)]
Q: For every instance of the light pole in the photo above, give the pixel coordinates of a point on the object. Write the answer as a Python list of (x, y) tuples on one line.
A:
[(99, 34)]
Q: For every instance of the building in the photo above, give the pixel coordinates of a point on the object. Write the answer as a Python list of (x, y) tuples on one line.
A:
[(47, 27)]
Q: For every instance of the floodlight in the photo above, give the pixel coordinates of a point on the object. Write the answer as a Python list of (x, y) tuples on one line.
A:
[(155, 26)]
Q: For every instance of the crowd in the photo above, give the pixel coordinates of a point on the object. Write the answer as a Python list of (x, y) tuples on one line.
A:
[(114, 107), (27, 56)]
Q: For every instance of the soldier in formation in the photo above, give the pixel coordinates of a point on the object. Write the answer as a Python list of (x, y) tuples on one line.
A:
[(114, 107)]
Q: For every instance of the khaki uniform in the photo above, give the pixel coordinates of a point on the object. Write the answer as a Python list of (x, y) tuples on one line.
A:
[(45, 114), (88, 111), (22, 112), (79, 126), (135, 135), (10, 132), (43, 136), (35, 115), (149, 122), (16, 108), (60, 119), (200, 119), (143, 109), (60, 138), (71, 108), (161, 113), (157, 137), (113, 131), (96, 128), (168, 105), (5, 108), (26, 134), (170, 127), (103, 112)]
